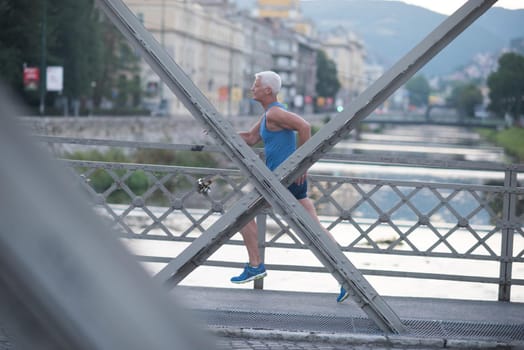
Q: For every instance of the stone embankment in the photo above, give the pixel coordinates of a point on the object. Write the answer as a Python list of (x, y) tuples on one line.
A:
[(179, 129)]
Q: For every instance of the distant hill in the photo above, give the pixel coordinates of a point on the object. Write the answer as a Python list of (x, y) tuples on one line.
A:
[(389, 29)]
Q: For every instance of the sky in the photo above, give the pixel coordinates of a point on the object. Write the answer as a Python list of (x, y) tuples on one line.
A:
[(447, 7)]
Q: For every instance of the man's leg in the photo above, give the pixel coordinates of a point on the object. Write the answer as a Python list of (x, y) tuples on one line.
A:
[(310, 208), (250, 236), (255, 269), (308, 205)]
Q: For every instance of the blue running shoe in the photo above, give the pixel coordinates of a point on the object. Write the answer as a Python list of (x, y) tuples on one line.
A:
[(343, 295), (250, 273)]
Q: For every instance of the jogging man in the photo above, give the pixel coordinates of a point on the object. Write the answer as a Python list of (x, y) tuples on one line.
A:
[(278, 129)]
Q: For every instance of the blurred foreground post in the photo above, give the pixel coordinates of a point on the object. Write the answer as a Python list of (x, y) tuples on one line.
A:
[(65, 280)]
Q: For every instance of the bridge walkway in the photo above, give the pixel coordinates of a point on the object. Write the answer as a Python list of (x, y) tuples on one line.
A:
[(252, 319)]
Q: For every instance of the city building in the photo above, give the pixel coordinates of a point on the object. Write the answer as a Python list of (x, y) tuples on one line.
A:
[(347, 51), (305, 88), (283, 9), (207, 45), (221, 48), (258, 35), (294, 51), (295, 54)]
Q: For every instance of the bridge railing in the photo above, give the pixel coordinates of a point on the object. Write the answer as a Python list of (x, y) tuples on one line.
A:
[(395, 217)]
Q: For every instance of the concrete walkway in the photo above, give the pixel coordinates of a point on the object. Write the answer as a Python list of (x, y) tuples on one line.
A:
[(315, 320)]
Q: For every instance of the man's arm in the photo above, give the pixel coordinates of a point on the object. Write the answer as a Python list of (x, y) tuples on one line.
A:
[(281, 119), (252, 137)]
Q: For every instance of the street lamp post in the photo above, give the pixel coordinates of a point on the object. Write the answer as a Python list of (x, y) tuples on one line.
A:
[(43, 76), (162, 42)]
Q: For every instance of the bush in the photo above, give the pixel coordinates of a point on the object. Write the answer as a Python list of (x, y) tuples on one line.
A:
[(112, 155), (511, 139), (179, 158), (139, 182)]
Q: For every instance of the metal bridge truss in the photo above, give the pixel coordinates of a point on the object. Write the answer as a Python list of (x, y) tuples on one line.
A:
[(271, 187)]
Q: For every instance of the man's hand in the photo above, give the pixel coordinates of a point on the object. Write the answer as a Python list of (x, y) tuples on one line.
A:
[(301, 179)]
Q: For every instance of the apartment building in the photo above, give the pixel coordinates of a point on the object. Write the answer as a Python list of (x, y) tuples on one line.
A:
[(221, 48), (294, 59), (207, 45), (295, 54), (347, 51), (284, 9), (258, 51)]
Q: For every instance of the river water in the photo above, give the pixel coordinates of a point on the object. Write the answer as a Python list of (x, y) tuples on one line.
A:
[(432, 143), (446, 143)]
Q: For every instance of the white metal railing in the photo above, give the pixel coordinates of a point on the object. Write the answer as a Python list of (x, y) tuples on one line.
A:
[(431, 218)]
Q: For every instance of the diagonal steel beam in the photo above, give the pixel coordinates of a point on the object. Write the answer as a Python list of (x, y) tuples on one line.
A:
[(268, 184)]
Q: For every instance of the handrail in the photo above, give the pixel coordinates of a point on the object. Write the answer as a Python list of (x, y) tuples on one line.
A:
[(411, 161), (498, 239)]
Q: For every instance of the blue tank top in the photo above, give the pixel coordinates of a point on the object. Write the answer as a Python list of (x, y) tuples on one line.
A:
[(278, 145)]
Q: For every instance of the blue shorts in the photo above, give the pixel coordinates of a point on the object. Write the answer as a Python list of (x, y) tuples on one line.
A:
[(299, 191)]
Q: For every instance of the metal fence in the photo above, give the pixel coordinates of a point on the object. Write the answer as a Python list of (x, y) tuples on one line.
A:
[(410, 212)]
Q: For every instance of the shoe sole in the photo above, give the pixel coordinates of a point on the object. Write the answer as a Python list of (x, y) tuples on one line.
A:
[(343, 298), (256, 277)]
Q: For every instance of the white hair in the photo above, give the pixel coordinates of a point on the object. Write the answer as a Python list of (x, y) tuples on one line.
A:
[(270, 79)]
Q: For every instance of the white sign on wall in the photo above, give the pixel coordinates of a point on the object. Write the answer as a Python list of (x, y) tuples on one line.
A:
[(55, 78)]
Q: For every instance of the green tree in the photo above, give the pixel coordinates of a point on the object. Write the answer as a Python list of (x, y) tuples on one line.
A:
[(20, 42), (77, 46), (327, 81), (464, 97), (120, 69), (418, 89), (92, 52), (507, 86)]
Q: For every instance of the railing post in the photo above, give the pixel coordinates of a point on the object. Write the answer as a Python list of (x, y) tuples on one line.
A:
[(261, 228), (508, 219)]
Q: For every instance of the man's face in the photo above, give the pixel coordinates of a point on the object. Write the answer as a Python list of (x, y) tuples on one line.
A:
[(258, 91)]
